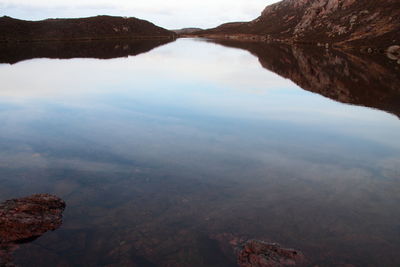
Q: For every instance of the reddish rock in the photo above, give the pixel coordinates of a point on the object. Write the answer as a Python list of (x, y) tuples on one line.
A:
[(29, 217), (255, 253)]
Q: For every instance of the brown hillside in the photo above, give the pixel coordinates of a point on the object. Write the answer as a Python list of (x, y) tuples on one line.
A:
[(344, 22), (100, 27)]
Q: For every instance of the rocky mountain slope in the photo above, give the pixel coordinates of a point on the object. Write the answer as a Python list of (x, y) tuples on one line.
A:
[(370, 81), (344, 22), (100, 27)]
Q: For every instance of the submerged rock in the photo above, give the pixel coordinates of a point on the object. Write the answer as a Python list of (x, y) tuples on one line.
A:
[(24, 219), (255, 253)]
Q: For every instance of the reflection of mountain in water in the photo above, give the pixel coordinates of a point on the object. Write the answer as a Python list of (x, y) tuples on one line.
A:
[(15, 52), (365, 80)]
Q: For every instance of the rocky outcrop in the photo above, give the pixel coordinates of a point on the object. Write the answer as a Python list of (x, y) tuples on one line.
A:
[(258, 253), (105, 49), (27, 218), (255, 253), (93, 28), (362, 79), (342, 22)]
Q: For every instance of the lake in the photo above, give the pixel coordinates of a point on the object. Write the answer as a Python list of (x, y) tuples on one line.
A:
[(167, 153)]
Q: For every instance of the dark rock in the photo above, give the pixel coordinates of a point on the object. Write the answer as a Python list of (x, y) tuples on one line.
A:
[(24, 219), (29, 217), (255, 253)]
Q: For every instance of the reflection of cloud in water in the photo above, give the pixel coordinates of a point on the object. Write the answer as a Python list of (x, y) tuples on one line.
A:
[(214, 81), (74, 78)]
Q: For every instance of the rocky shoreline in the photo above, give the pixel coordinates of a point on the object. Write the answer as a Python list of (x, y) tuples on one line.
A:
[(25, 219)]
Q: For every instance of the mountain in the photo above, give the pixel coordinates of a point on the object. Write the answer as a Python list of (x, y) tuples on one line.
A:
[(343, 22), (187, 30), (100, 27), (351, 78)]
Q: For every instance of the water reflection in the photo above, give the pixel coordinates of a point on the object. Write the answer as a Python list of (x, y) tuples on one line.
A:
[(15, 52), (358, 79), (167, 157)]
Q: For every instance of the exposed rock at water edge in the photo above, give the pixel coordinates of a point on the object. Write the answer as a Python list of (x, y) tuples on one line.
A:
[(24, 219)]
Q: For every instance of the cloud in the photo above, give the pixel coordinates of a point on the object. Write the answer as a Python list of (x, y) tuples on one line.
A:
[(169, 14)]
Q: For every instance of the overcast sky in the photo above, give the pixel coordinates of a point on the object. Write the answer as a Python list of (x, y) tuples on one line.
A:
[(170, 14)]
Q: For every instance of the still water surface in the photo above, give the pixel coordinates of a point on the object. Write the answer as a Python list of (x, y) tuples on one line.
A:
[(165, 157)]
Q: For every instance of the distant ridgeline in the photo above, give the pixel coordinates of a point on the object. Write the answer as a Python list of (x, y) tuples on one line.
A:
[(342, 22), (93, 28)]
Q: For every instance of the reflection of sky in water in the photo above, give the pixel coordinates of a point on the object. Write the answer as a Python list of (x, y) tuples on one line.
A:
[(192, 108), (175, 99)]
